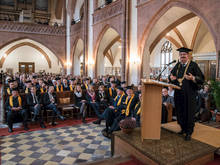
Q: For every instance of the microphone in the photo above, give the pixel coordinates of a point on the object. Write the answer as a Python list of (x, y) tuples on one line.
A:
[(158, 77), (171, 62)]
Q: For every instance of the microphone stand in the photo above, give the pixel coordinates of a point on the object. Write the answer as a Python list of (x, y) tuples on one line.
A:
[(158, 77)]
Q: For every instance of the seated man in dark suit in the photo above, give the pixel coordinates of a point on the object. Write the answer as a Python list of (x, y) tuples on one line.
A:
[(102, 96), (34, 102), (127, 109), (112, 92), (49, 102), (27, 87), (166, 99), (59, 86), (8, 90), (113, 111), (65, 85), (137, 112), (15, 107)]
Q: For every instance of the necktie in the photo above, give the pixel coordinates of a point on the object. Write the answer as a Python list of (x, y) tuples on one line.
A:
[(36, 101)]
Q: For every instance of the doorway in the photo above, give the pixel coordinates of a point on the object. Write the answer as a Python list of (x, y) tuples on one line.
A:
[(26, 67)]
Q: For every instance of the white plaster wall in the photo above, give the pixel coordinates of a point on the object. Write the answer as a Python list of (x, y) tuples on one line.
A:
[(78, 50), (206, 44), (23, 53), (53, 18), (107, 62), (79, 4), (29, 54)]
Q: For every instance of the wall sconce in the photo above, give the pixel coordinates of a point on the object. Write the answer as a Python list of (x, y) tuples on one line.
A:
[(4, 55), (135, 60), (68, 64)]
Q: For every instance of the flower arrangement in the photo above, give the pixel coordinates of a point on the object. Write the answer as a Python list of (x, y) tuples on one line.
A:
[(128, 124)]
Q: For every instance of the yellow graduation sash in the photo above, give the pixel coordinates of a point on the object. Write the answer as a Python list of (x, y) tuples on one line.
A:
[(26, 90), (119, 101), (86, 86), (42, 90), (128, 104), (71, 88), (110, 91), (11, 101), (139, 110), (61, 88), (8, 91)]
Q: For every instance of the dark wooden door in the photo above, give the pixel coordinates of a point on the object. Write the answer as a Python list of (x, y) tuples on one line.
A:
[(26, 67)]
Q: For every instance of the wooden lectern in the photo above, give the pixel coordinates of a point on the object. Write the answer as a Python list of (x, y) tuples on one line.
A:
[(151, 108)]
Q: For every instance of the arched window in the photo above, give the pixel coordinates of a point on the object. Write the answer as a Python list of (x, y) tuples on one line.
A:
[(166, 55)]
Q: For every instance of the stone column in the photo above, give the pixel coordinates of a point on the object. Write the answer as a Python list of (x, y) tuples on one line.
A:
[(134, 61), (125, 41), (68, 31), (85, 37)]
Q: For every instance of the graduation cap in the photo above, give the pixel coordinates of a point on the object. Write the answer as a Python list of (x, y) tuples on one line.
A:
[(57, 78), (11, 81), (34, 77), (73, 79), (113, 82), (45, 83), (129, 87), (29, 81), (14, 89), (123, 82), (183, 49), (120, 88)]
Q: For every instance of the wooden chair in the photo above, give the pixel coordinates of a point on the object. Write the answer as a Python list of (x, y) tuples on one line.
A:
[(66, 104)]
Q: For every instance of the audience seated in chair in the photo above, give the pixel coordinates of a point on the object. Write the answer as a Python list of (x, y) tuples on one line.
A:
[(80, 101), (113, 111), (15, 107), (166, 101), (137, 111), (34, 103), (49, 101)]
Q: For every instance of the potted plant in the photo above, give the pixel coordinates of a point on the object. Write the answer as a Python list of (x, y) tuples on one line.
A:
[(215, 87), (127, 125)]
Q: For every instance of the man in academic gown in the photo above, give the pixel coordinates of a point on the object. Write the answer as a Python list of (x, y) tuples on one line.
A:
[(113, 111), (15, 107), (189, 77)]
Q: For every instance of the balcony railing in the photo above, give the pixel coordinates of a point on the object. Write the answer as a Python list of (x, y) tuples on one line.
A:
[(110, 10), (9, 26)]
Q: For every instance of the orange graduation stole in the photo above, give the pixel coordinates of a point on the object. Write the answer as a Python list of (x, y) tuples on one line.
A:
[(8, 91), (86, 86), (42, 90), (119, 101), (110, 91), (11, 101), (61, 88), (128, 103), (71, 88), (139, 110)]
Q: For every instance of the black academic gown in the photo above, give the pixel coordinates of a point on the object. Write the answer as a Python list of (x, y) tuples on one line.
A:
[(185, 99)]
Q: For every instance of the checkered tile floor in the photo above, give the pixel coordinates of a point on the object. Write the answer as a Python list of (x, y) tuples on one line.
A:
[(67, 145)]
